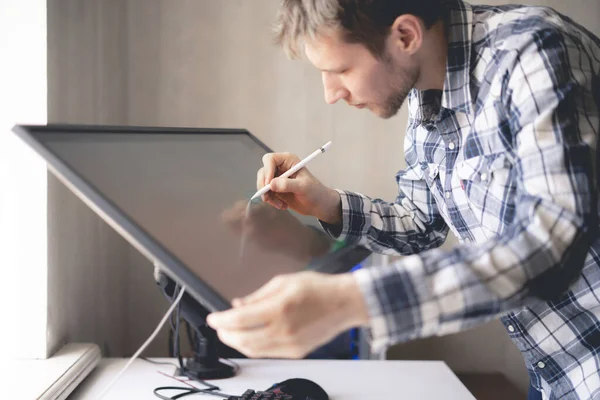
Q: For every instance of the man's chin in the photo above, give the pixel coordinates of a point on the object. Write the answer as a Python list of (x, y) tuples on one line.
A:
[(384, 113)]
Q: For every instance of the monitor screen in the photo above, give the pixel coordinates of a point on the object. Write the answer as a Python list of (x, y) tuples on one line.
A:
[(185, 190)]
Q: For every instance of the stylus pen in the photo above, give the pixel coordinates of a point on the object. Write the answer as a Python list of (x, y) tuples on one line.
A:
[(294, 169)]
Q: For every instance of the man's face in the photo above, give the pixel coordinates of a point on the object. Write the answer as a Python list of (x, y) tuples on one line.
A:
[(350, 72)]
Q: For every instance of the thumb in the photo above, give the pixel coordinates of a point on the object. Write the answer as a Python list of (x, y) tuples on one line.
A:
[(286, 185)]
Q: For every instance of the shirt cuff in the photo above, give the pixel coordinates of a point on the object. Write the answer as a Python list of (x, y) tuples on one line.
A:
[(397, 302), (356, 218)]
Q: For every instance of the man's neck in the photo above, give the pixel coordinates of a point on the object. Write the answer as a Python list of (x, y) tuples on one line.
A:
[(433, 59)]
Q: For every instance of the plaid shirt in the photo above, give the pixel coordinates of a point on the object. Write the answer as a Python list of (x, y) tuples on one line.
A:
[(504, 156)]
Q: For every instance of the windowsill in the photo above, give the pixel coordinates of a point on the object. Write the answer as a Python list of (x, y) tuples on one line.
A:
[(53, 378)]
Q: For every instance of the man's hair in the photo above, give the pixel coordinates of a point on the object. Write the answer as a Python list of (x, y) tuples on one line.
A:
[(367, 22)]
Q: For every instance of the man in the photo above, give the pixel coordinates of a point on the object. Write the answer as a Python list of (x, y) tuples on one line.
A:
[(500, 148)]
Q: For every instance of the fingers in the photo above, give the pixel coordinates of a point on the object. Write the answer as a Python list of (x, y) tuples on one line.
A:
[(277, 163), (252, 316), (286, 185), (250, 343), (260, 179), (251, 311), (262, 343), (266, 323), (270, 164), (269, 197), (293, 316), (274, 165), (274, 200), (283, 186)]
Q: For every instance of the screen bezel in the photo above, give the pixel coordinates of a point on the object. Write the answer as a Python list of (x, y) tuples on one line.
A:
[(139, 238), (142, 240)]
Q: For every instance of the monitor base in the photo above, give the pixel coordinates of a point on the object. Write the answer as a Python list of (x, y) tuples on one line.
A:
[(196, 370), (206, 363)]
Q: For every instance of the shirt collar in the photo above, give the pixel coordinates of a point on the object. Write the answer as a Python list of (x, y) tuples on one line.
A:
[(459, 26)]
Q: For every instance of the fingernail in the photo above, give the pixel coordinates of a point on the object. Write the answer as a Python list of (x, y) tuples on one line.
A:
[(279, 204)]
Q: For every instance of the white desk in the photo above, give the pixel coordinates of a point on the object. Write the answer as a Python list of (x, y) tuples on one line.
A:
[(351, 380)]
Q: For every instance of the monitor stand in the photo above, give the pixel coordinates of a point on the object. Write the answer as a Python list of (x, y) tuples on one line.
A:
[(206, 363)]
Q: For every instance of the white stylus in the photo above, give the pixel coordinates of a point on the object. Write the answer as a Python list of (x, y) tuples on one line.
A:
[(294, 169)]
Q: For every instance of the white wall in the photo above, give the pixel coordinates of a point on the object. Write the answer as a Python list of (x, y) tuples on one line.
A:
[(23, 240), (211, 64)]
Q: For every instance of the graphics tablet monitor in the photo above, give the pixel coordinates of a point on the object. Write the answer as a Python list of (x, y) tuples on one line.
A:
[(167, 190)]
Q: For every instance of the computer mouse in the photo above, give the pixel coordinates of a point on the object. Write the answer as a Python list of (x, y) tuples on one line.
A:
[(300, 388)]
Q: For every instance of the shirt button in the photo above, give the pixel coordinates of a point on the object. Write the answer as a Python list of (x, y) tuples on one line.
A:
[(451, 146), (434, 172), (484, 177), (511, 328), (541, 365), (448, 194)]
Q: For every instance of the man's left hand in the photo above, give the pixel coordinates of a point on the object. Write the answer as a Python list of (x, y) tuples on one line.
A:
[(291, 315)]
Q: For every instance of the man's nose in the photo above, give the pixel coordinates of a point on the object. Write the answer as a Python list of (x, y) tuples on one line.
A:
[(333, 90), (333, 95)]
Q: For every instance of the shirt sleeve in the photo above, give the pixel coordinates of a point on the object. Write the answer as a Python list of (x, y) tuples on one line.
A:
[(407, 226), (552, 119)]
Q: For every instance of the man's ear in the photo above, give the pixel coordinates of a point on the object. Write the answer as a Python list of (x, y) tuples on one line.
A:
[(407, 34)]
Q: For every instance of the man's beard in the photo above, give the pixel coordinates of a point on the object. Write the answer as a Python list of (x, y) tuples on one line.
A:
[(401, 87)]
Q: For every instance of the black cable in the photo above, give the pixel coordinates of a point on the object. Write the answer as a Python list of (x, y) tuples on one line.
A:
[(158, 362), (186, 392), (209, 386)]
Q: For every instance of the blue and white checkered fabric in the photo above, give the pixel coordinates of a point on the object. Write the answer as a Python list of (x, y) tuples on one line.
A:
[(505, 156)]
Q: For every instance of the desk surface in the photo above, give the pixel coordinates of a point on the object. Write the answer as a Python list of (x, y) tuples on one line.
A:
[(351, 380)]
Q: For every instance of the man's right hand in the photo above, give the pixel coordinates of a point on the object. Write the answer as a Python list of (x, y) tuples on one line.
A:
[(301, 192)]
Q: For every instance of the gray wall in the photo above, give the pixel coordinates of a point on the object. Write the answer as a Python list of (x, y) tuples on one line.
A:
[(100, 289), (210, 64)]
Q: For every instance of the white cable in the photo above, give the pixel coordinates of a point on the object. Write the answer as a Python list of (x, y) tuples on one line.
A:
[(146, 343)]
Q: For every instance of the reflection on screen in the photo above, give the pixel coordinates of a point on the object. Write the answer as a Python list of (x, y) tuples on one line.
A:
[(185, 191)]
